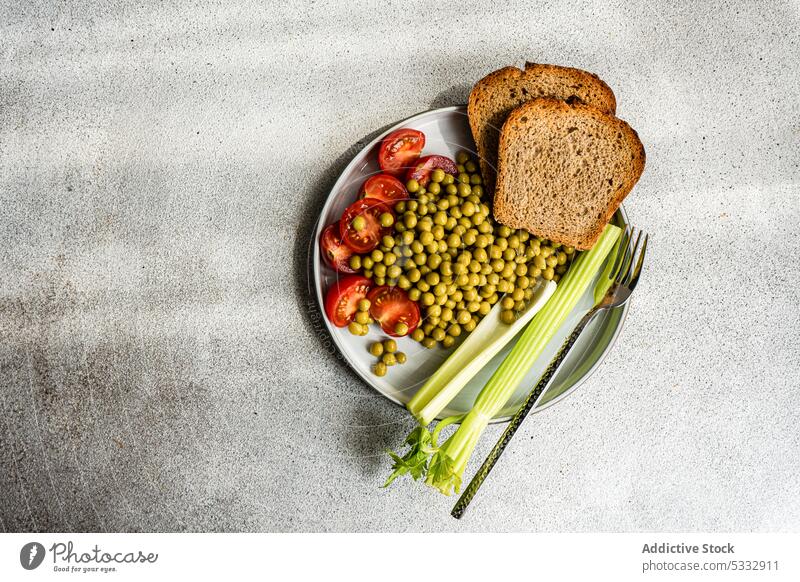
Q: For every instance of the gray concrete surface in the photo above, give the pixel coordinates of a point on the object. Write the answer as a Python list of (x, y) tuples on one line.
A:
[(161, 165)]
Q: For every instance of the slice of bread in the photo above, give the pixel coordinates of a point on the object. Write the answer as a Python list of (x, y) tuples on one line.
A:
[(564, 170), (496, 95)]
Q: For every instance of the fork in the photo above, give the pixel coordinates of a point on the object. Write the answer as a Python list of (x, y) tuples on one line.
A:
[(621, 280)]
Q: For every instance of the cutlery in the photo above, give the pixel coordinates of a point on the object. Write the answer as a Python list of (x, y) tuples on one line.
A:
[(622, 277)]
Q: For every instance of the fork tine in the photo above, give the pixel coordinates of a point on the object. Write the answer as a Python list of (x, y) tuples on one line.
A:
[(626, 257), (639, 262), (632, 265), (622, 248)]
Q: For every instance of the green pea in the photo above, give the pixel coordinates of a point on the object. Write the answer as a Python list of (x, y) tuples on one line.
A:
[(386, 219), (548, 274), (417, 335), (380, 270), (470, 325), (433, 311), (410, 220), (355, 262), (448, 342), (434, 188), (394, 272), (477, 189), (440, 218), (539, 262), (438, 334), (420, 258), (427, 299), (401, 357), (507, 315), (412, 185), (379, 369), (423, 286), (367, 262), (475, 180), (464, 190), (428, 342), (359, 223), (414, 294), (401, 328), (462, 157), (362, 317), (376, 349)]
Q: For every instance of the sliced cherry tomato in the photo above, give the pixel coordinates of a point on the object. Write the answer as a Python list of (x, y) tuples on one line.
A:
[(390, 306), (384, 187), (421, 172), (335, 252), (341, 301), (399, 150), (370, 231)]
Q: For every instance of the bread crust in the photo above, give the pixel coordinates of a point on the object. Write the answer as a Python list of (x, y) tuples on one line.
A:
[(501, 81), (544, 106)]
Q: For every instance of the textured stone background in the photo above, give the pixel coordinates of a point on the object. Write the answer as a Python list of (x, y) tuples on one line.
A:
[(161, 166)]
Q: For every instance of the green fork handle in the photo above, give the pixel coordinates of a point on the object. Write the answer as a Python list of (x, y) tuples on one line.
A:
[(530, 402)]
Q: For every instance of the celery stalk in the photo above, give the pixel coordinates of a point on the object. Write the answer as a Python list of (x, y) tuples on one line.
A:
[(471, 356), (446, 463)]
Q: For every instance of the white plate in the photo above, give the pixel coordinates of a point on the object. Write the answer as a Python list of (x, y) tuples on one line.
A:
[(446, 133)]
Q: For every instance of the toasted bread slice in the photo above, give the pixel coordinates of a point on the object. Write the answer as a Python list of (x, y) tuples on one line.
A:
[(496, 95), (564, 170)]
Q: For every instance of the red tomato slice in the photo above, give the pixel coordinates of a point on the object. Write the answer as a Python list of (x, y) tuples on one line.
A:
[(421, 172), (368, 237), (341, 301), (399, 150), (390, 306), (384, 187), (334, 251)]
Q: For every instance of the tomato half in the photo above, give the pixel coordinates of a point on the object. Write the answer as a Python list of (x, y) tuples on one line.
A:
[(369, 235), (384, 187), (421, 172), (334, 251), (390, 306), (399, 150), (341, 301)]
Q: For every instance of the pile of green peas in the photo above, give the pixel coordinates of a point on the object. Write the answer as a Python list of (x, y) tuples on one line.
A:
[(448, 253), (362, 320), (387, 354)]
